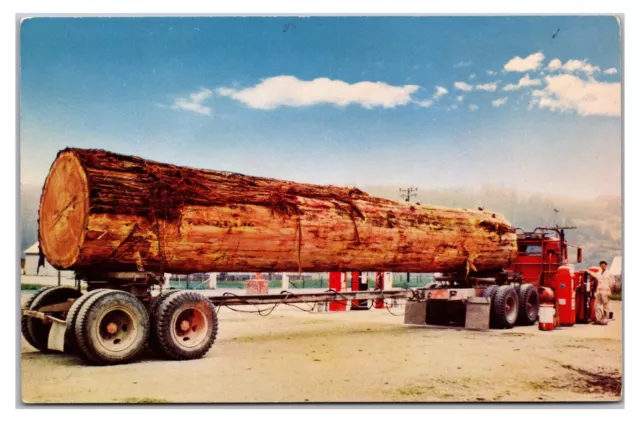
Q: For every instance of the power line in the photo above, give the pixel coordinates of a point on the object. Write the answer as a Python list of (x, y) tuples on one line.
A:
[(408, 193)]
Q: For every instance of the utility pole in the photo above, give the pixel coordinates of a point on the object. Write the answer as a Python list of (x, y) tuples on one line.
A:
[(407, 194)]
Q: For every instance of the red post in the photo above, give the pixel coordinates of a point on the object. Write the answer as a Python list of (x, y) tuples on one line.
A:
[(358, 284), (379, 303), (335, 283), (355, 286)]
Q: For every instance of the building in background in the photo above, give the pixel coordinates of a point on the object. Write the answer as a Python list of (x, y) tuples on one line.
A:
[(31, 255)]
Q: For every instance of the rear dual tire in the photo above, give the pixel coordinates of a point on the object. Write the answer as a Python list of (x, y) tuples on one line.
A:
[(72, 317), (504, 306), (111, 327), (529, 304), (106, 327), (185, 325)]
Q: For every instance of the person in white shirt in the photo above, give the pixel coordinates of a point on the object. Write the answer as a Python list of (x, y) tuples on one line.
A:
[(605, 284)]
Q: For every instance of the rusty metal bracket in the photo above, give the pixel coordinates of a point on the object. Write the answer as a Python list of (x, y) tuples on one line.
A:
[(41, 315)]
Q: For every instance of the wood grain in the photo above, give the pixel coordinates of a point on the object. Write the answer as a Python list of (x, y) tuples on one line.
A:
[(126, 212)]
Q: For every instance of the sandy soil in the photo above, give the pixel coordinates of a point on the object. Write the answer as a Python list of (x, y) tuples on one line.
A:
[(366, 356)]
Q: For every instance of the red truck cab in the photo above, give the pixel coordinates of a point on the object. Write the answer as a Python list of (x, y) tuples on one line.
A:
[(540, 254)]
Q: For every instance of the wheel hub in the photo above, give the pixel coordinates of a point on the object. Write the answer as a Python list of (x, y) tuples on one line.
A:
[(116, 330), (510, 308), (190, 327)]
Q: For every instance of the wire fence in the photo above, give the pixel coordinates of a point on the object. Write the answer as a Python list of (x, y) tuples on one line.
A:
[(315, 281)]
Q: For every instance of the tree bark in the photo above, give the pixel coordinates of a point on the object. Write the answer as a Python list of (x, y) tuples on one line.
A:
[(105, 211)]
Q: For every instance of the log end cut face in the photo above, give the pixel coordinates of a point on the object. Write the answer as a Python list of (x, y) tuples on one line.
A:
[(64, 209)]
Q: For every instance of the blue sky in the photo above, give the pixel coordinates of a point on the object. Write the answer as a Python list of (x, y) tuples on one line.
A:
[(433, 102)]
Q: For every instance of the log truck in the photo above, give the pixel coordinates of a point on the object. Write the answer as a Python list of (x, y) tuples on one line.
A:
[(122, 222), (539, 273)]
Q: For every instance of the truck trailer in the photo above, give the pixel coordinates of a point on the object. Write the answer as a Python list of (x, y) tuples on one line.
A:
[(121, 222)]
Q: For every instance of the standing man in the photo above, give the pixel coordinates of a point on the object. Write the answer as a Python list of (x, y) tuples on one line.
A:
[(605, 283)]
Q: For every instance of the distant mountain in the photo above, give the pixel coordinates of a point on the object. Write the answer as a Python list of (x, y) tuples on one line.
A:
[(599, 220)]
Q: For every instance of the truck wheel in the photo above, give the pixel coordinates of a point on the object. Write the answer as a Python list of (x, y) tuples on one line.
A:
[(186, 325), (153, 311), (529, 305), (24, 321), (505, 307), (37, 331), (490, 292), (111, 327), (72, 316)]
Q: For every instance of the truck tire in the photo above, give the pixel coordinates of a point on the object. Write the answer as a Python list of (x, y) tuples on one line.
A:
[(153, 311), (112, 327), (72, 316), (529, 304), (38, 331), (490, 292), (186, 326), (505, 307), (24, 321)]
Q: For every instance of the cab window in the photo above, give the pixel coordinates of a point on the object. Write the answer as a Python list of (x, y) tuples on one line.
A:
[(530, 249)]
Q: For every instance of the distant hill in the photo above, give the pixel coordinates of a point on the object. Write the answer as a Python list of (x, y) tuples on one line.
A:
[(599, 220)]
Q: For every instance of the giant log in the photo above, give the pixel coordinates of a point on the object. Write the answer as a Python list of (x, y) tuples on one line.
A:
[(102, 211)]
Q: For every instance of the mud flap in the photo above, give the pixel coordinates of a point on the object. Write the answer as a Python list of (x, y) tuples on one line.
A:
[(56, 336), (478, 312), (415, 313)]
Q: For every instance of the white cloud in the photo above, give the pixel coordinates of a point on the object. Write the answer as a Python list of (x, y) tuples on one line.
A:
[(499, 102), (518, 64), (425, 103), (473, 107), (440, 91), (611, 71), (487, 87), (194, 102), (463, 86), (472, 76), (226, 92), (554, 64), (525, 81), (462, 64), (572, 66), (587, 97), (460, 98), (491, 73), (290, 91), (580, 66)]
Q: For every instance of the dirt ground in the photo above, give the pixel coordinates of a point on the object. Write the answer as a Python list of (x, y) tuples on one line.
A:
[(357, 356)]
